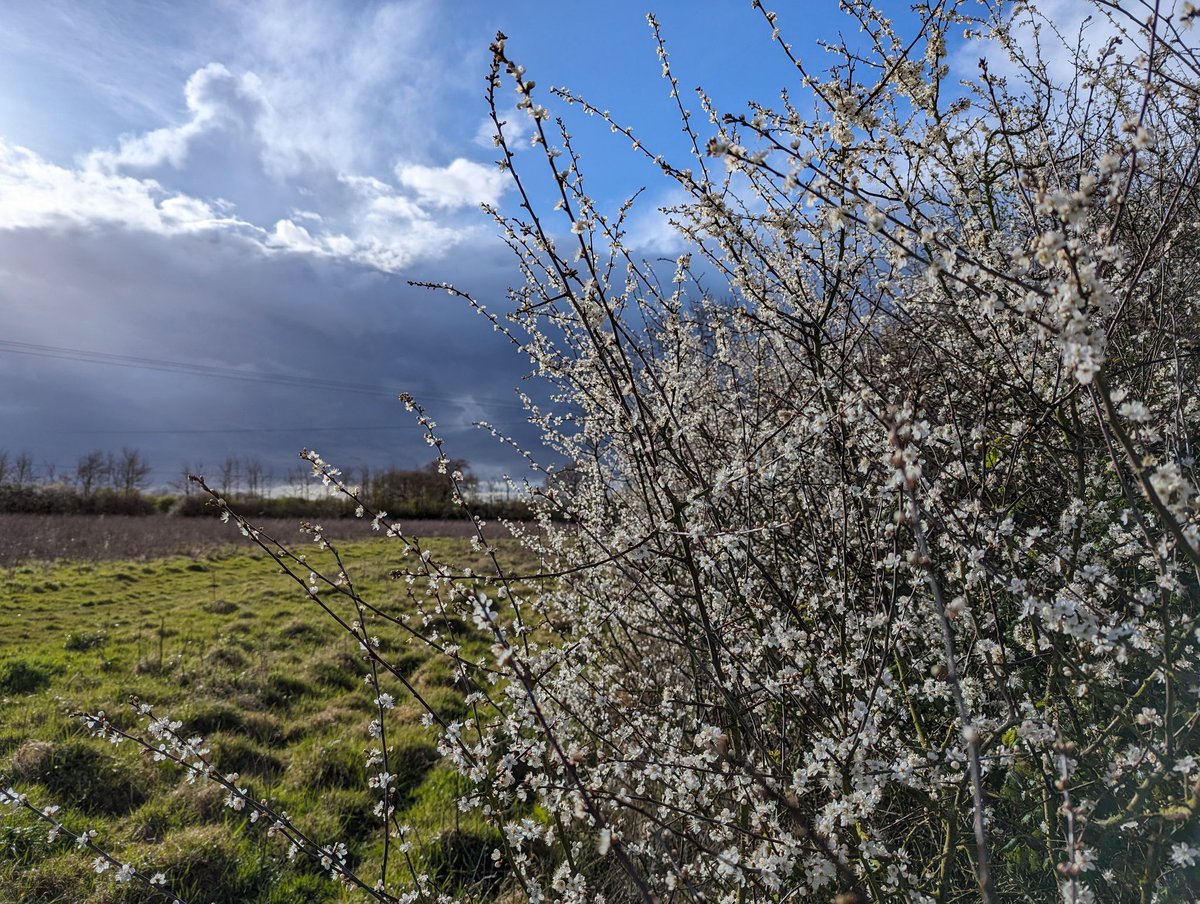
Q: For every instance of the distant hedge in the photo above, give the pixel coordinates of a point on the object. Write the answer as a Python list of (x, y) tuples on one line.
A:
[(326, 508), (59, 499)]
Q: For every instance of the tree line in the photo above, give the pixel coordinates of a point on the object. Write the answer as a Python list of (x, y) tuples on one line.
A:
[(126, 472), (102, 483), (107, 482)]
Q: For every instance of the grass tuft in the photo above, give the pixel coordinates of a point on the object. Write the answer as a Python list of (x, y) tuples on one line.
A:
[(78, 775), (25, 676), (462, 858), (235, 753), (85, 640), (323, 765), (205, 864)]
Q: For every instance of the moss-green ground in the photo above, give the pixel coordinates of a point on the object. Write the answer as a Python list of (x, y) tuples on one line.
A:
[(231, 647)]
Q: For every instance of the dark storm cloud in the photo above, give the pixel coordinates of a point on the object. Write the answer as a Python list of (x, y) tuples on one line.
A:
[(224, 303)]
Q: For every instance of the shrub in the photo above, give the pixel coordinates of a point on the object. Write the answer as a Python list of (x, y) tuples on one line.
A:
[(881, 581)]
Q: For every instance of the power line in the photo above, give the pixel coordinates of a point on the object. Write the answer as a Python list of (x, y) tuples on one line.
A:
[(211, 430), (204, 370), (137, 362)]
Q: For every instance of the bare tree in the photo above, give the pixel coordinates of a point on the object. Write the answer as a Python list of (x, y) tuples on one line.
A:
[(182, 483), (112, 471), (298, 481), (90, 471), (230, 475), (23, 469), (254, 475), (132, 471)]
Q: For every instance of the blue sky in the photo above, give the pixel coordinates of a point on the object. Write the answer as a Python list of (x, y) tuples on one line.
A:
[(246, 187)]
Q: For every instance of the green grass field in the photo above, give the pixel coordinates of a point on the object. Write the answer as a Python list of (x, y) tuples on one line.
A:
[(230, 646)]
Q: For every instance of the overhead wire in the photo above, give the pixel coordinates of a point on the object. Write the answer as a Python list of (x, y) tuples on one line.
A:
[(138, 362), (209, 430)]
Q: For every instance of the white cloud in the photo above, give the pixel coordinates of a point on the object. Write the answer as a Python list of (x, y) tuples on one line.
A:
[(648, 229), (364, 186), (384, 230), (293, 237), (516, 130), (461, 183), (290, 145), (1055, 30), (190, 213), (380, 199), (312, 215), (216, 98), (350, 87), (395, 206), (40, 194)]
